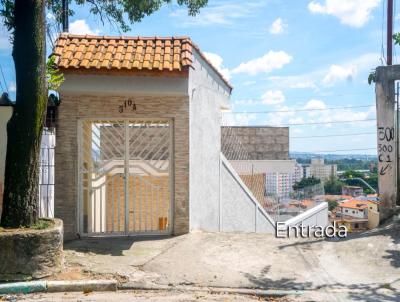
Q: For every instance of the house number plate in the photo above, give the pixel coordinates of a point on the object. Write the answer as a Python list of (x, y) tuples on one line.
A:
[(127, 105)]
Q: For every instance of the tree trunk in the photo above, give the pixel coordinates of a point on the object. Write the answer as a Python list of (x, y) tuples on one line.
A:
[(20, 203)]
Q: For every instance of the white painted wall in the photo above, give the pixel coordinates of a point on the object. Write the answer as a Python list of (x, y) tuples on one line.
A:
[(316, 216), (240, 210), (207, 93), (355, 213)]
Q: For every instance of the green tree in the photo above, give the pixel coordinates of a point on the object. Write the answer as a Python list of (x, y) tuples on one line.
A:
[(306, 182), (332, 204), (333, 186), (26, 20)]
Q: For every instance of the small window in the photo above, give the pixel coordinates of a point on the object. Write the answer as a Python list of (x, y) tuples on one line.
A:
[(356, 225)]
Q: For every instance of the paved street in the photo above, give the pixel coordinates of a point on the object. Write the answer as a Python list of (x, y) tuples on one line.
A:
[(363, 266)]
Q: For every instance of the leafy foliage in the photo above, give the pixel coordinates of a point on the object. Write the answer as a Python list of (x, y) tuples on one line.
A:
[(333, 186), (53, 75), (116, 12), (372, 77), (7, 13), (371, 178), (396, 38), (306, 182), (332, 204)]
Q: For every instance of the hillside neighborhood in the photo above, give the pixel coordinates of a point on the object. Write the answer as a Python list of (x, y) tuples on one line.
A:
[(168, 151)]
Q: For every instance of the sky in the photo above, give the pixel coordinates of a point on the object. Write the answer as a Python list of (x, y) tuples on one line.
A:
[(286, 60)]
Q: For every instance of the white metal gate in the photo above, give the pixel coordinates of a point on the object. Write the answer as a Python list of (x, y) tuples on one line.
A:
[(125, 177)]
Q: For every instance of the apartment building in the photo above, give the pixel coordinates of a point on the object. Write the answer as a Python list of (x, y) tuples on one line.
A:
[(320, 170)]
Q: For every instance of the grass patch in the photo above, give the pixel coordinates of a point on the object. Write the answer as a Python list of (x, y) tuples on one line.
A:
[(41, 225), (387, 286)]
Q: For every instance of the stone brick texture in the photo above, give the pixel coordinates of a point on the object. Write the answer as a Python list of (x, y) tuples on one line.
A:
[(80, 107), (258, 143)]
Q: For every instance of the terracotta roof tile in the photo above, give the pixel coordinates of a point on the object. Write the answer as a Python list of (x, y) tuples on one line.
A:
[(104, 52)]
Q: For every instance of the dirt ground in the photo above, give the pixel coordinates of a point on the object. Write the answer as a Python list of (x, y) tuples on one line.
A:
[(149, 296), (362, 267)]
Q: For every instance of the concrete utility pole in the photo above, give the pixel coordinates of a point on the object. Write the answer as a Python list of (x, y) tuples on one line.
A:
[(389, 36), (386, 135), (65, 21)]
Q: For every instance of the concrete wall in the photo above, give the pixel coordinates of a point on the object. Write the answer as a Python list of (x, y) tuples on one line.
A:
[(5, 115), (208, 94), (316, 216), (260, 143), (81, 105), (239, 209)]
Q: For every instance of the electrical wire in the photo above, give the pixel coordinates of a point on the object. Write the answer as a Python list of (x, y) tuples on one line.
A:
[(333, 135), (5, 83), (332, 122), (298, 110), (340, 150)]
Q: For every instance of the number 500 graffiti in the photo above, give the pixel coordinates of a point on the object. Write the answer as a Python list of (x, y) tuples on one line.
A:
[(386, 134)]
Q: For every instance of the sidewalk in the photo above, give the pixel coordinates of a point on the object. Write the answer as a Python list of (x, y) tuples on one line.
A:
[(365, 265)]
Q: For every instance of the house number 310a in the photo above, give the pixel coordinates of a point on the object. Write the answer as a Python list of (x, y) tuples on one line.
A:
[(127, 105)]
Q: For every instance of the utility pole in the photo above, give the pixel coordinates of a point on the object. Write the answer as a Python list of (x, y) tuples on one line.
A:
[(390, 32), (65, 23)]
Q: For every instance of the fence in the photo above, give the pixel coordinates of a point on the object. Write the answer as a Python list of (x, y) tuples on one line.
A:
[(46, 174), (280, 206), (241, 160)]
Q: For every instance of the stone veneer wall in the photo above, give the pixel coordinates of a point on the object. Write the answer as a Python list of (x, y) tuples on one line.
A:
[(261, 143), (74, 107)]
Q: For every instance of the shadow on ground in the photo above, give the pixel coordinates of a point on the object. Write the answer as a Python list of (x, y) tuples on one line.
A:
[(354, 292), (392, 230), (112, 246)]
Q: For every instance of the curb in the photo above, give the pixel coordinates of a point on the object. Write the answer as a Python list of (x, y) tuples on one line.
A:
[(58, 286), (23, 287), (230, 290)]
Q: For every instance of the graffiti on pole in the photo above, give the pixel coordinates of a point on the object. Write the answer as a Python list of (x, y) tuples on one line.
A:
[(386, 136)]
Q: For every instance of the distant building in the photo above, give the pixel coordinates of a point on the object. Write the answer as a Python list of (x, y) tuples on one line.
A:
[(320, 170), (357, 215), (306, 171), (352, 191), (280, 175)]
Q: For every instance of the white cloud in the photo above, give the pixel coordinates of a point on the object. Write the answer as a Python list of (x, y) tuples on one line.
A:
[(322, 114), (314, 104), (277, 27), (80, 27), (355, 68), (229, 119), (303, 85), (218, 13), (280, 117), (217, 61), (270, 61), (339, 73), (350, 12), (12, 87), (273, 97)]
